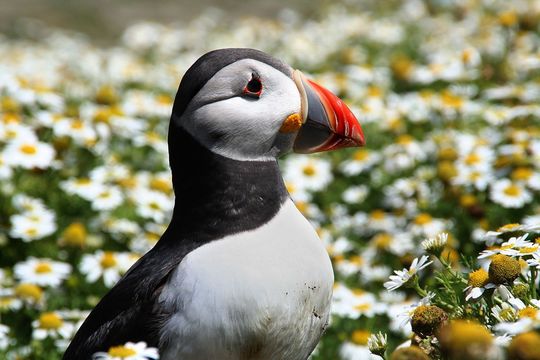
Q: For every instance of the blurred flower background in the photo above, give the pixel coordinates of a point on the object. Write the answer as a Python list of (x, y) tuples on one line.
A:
[(432, 227)]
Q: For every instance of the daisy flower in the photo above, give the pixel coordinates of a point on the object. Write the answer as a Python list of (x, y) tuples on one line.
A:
[(52, 325), (34, 222), (108, 198), (515, 246), (42, 272), (151, 204), (4, 337), (308, 172), (128, 351), (436, 244), (29, 154), (509, 194), (478, 283), (402, 277), (77, 129), (361, 161), (107, 265), (355, 303), (32, 226)]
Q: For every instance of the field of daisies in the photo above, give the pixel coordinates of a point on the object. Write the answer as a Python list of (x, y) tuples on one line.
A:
[(433, 228)]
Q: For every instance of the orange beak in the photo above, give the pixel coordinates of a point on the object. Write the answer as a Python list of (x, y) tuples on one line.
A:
[(329, 124)]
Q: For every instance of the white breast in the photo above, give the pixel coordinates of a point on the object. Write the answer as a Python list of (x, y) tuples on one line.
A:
[(261, 294)]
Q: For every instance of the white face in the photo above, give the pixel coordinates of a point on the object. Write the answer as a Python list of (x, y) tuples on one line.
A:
[(229, 122)]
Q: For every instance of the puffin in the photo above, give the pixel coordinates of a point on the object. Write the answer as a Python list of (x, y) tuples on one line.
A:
[(239, 272)]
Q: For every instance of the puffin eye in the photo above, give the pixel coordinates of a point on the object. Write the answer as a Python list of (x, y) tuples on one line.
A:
[(254, 87)]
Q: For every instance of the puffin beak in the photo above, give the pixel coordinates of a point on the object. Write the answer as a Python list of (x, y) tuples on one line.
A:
[(328, 124)]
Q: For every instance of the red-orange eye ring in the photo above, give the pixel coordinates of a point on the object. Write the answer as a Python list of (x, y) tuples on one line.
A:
[(254, 87)]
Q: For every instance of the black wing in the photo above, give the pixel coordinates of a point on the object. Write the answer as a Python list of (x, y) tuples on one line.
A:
[(128, 312)]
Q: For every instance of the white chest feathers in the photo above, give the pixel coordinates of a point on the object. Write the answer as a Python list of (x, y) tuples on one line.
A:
[(260, 294)]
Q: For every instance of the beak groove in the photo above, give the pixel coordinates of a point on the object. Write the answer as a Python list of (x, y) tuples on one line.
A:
[(329, 124)]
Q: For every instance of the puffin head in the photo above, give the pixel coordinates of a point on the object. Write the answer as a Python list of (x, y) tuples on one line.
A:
[(246, 105)]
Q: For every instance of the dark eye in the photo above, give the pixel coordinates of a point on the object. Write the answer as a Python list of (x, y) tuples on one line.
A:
[(254, 87)]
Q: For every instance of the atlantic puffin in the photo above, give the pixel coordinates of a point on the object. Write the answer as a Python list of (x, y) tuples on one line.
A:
[(239, 273)]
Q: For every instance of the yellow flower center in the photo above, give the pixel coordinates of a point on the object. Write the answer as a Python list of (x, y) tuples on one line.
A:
[(478, 278), (382, 241), (83, 181), (121, 351), (356, 259), (451, 100), (378, 215), (29, 291), (74, 234), (423, 219), (374, 91), (402, 66), (461, 334), (128, 182), (529, 312), (507, 314), (528, 250), (503, 269), (50, 321), (508, 18), (522, 173), (77, 124), (447, 153), (466, 56), (360, 337), (106, 95), (360, 155), (309, 170), (472, 159), (154, 205), (404, 139), (105, 194), (43, 268), (302, 206), (160, 185), (164, 99), (31, 231), (508, 227), (28, 149), (512, 190), (290, 187), (363, 307), (467, 200), (108, 260)]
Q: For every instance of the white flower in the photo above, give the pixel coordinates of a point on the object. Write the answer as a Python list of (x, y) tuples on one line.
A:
[(360, 161), (515, 246), (401, 277), (109, 265), (108, 198), (34, 222), (355, 194), (352, 304), (308, 173), (151, 204), (51, 324), (79, 130), (42, 272), (509, 195), (29, 154), (128, 351), (351, 351), (4, 337), (436, 244)]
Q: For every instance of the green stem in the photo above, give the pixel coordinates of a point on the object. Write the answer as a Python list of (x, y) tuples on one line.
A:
[(419, 290)]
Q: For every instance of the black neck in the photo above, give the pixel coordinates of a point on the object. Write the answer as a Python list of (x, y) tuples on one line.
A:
[(217, 196)]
